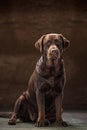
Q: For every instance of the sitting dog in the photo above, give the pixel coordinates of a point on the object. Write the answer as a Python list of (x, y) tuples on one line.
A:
[(42, 101)]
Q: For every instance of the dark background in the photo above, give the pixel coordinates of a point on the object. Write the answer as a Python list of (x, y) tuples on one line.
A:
[(22, 22)]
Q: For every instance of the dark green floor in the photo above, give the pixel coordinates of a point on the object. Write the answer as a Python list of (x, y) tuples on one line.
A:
[(76, 121)]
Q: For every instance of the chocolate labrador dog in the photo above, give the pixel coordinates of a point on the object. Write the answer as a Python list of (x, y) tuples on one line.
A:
[(42, 101)]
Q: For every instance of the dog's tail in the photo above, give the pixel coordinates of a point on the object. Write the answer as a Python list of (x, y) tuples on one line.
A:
[(6, 114)]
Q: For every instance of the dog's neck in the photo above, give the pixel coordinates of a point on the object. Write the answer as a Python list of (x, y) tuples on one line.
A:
[(48, 67), (52, 63)]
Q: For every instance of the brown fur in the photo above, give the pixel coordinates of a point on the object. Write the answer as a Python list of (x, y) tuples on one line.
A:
[(42, 101)]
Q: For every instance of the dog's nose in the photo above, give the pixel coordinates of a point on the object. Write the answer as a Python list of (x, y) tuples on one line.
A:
[(54, 51)]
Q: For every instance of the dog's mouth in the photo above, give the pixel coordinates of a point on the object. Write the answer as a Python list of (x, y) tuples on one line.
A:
[(54, 55)]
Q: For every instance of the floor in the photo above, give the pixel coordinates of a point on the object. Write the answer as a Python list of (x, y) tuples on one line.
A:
[(76, 121)]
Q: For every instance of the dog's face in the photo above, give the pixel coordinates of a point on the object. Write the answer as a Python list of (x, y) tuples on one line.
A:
[(52, 45)]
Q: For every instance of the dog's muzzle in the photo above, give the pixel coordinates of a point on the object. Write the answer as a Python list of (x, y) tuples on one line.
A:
[(53, 53)]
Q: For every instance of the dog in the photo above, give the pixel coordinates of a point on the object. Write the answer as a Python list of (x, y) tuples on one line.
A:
[(42, 101)]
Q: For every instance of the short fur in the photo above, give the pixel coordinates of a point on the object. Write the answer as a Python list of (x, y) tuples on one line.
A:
[(42, 101)]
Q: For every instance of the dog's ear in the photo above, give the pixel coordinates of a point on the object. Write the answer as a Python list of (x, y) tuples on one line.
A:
[(65, 41), (39, 43)]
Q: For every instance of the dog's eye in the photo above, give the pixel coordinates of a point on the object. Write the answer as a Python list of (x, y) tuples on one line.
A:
[(58, 44), (48, 43), (56, 41)]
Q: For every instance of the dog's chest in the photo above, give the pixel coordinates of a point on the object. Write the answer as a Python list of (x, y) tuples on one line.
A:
[(51, 81), (54, 89)]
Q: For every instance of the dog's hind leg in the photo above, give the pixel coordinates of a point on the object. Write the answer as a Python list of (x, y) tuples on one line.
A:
[(17, 107)]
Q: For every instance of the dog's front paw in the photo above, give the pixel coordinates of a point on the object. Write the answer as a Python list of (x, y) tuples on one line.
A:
[(42, 123), (61, 123), (11, 122)]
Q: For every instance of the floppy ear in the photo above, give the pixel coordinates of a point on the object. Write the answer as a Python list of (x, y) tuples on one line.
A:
[(39, 43), (65, 41)]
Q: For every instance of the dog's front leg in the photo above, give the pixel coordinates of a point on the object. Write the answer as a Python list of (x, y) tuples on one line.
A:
[(41, 108), (58, 105)]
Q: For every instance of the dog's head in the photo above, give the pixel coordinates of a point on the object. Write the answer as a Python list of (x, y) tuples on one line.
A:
[(52, 45)]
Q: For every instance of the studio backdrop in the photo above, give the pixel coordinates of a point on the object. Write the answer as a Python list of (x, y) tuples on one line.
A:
[(21, 25)]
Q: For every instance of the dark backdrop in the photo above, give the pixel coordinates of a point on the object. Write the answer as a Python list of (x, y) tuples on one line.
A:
[(22, 22)]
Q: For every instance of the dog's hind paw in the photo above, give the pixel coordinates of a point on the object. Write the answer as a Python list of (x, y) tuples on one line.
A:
[(11, 122)]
